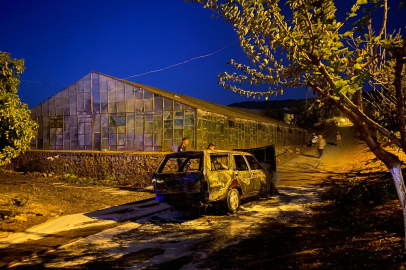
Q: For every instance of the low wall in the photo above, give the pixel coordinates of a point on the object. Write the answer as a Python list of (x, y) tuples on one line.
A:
[(127, 168), (134, 169)]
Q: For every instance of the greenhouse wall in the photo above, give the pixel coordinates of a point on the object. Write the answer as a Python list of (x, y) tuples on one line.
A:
[(102, 113), (229, 133)]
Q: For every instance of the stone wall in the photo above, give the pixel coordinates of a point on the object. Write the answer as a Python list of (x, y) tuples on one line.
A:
[(133, 169), (126, 168)]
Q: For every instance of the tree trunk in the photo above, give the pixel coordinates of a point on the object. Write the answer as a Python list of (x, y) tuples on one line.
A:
[(395, 170), (394, 165)]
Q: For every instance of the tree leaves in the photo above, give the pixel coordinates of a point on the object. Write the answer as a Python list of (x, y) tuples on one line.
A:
[(16, 127)]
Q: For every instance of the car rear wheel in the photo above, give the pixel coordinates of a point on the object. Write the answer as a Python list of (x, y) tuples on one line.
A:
[(232, 201)]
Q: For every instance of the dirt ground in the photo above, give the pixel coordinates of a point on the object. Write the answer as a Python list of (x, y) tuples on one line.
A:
[(30, 199), (357, 225)]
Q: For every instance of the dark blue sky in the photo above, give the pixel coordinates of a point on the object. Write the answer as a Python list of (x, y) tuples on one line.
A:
[(62, 41)]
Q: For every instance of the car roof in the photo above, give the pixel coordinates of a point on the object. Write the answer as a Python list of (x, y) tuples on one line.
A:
[(200, 152)]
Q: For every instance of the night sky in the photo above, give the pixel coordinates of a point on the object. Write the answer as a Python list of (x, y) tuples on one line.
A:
[(62, 41)]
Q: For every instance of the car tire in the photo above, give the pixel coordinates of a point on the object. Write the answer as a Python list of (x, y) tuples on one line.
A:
[(232, 202)]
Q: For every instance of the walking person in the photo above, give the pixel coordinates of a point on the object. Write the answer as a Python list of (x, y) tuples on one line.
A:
[(338, 139), (182, 147), (315, 139), (322, 144)]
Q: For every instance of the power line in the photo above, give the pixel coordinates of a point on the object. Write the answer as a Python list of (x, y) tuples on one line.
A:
[(153, 71), (194, 58)]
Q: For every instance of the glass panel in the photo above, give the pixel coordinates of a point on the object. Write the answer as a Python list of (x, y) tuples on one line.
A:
[(157, 139), (178, 123), (168, 133), (88, 83), (88, 128), (189, 133), (113, 129), (88, 102), (105, 144), (112, 96), (73, 90), (81, 141), (52, 106), (149, 127), (103, 96), (81, 86), (190, 120), (81, 105), (103, 83), (139, 106), (139, 93), (148, 140), (168, 104), (148, 105), (158, 103), (139, 141), (130, 134), (113, 139), (129, 105), (178, 134), (176, 106), (130, 121), (120, 91), (148, 95), (104, 107), (121, 120), (111, 85), (59, 107), (121, 129), (112, 107), (121, 106), (95, 82), (88, 139), (121, 139), (96, 102), (96, 143), (81, 128), (129, 92), (168, 145)]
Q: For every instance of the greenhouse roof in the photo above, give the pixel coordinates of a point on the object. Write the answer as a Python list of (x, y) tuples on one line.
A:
[(204, 105)]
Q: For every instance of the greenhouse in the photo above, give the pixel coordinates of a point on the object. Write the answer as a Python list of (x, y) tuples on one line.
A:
[(103, 113)]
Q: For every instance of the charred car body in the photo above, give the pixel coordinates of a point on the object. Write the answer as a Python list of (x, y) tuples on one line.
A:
[(207, 177)]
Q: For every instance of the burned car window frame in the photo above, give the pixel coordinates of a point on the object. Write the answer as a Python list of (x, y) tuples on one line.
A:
[(258, 166), (221, 166), (182, 166), (243, 158)]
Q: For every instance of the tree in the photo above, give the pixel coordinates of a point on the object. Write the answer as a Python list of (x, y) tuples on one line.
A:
[(16, 127), (312, 48)]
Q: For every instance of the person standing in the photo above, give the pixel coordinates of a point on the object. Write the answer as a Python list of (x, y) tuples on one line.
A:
[(322, 144), (182, 147), (315, 139), (211, 146), (338, 139)]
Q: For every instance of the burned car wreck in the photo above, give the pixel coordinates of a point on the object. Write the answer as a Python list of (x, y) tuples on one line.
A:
[(213, 177)]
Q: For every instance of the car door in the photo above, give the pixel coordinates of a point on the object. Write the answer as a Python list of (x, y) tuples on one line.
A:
[(243, 175), (258, 175), (218, 175)]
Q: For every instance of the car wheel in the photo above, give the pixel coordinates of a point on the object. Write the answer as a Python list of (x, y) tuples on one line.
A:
[(233, 201)]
